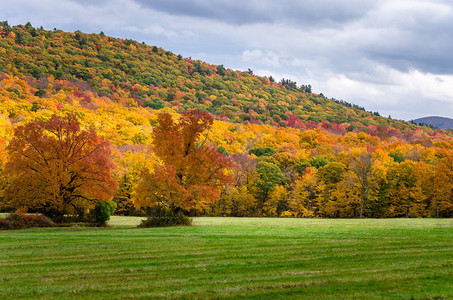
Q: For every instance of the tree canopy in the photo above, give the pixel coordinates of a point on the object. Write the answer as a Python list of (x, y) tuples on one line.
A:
[(191, 172), (55, 167)]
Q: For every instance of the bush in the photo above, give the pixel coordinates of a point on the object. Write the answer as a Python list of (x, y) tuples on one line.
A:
[(166, 217), (19, 221), (38, 221), (102, 212), (5, 224), (16, 220)]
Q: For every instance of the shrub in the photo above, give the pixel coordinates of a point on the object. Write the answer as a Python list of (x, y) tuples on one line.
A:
[(37, 221), (102, 212), (166, 217), (19, 221), (16, 220), (5, 224)]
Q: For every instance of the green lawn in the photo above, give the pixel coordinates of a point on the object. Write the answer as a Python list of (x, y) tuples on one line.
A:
[(232, 258)]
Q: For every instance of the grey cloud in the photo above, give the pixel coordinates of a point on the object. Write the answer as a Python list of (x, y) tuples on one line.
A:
[(419, 36), (345, 49), (240, 12)]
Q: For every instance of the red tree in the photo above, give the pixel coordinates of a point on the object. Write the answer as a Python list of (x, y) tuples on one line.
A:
[(56, 168), (191, 171)]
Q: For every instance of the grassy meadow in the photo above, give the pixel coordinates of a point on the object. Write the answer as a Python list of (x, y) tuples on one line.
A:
[(232, 258)]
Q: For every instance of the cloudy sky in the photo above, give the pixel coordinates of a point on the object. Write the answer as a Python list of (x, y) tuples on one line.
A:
[(391, 56)]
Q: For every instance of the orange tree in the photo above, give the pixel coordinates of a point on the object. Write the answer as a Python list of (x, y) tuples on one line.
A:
[(57, 168), (191, 172), (2, 163)]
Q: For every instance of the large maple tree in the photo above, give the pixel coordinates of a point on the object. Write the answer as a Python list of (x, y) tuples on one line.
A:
[(57, 168)]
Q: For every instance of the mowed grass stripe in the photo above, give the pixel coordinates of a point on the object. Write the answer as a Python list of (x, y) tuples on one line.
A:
[(314, 259)]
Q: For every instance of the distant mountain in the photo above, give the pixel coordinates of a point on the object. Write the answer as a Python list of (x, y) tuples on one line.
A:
[(440, 122)]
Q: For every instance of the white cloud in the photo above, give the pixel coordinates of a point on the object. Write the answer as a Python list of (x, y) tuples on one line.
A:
[(267, 58)]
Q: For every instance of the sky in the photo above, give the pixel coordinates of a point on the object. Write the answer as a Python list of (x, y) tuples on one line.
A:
[(390, 56)]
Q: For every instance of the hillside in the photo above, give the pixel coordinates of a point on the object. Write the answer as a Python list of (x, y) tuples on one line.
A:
[(439, 122), (294, 153), (156, 78)]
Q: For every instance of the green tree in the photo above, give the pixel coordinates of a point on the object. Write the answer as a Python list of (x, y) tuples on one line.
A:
[(332, 173), (269, 176), (221, 70), (262, 151)]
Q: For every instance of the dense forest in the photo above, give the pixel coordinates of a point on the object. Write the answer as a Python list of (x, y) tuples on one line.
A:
[(283, 150)]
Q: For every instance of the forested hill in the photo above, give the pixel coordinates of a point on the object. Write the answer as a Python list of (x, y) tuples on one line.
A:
[(291, 152), (156, 78)]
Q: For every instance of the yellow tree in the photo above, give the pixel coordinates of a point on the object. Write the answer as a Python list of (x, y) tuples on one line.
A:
[(2, 163), (443, 186), (361, 166), (345, 200), (236, 201), (277, 202), (130, 160), (304, 195), (402, 181)]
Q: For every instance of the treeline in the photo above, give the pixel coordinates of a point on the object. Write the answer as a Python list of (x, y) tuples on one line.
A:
[(365, 183), (58, 168)]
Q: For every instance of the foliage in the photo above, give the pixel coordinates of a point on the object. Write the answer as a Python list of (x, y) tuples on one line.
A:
[(102, 212), (311, 145), (165, 217), (19, 221), (191, 173), (57, 168), (269, 176), (262, 151), (152, 77)]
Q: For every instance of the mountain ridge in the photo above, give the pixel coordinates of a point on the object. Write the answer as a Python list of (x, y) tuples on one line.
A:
[(436, 121)]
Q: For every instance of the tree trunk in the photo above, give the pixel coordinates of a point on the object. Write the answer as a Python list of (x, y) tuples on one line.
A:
[(362, 204), (437, 208)]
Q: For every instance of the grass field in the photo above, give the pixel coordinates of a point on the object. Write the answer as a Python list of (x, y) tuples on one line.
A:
[(232, 258)]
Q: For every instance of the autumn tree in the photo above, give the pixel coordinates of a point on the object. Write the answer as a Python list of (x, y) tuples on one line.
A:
[(402, 180), (331, 173), (2, 163), (304, 195), (57, 168), (277, 203), (130, 160), (443, 186), (244, 167), (361, 167), (190, 172), (236, 201), (346, 201)]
